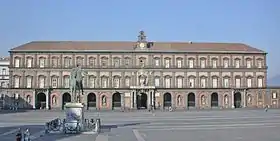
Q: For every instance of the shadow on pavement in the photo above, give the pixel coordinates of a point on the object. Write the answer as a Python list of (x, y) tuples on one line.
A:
[(13, 111), (107, 128)]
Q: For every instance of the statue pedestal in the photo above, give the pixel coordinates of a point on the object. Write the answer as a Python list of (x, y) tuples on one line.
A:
[(74, 117)]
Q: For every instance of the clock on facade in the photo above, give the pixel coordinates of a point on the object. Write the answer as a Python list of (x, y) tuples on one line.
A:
[(142, 45)]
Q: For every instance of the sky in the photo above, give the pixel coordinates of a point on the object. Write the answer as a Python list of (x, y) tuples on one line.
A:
[(253, 22)]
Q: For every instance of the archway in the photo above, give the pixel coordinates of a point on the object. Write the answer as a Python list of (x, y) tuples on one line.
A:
[(214, 100), (167, 100), (91, 100), (116, 100), (237, 100), (141, 101), (191, 100), (41, 101), (66, 97)]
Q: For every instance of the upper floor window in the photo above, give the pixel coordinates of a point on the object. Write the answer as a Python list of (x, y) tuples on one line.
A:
[(116, 83), (80, 60), (274, 95), (260, 63), (42, 81), (214, 62), (17, 81), (91, 81), (127, 81), (249, 63), (214, 81), (237, 81), (226, 82), (237, 63), (29, 82), (4, 71), (66, 80), (167, 81), (249, 82), (67, 62), (91, 62), (116, 62), (2, 84), (226, 62), (42, 62), (104, 82), (29, 62), (54, 81), (191, 81), (203, 82), (179, 81), (202, 62), (104, 61), (157, 60), (167, 62), (157, 81), (17, 62), (55, 61), (142, 61), (127, 61), (179, 62), (260, 81), (191, 63)]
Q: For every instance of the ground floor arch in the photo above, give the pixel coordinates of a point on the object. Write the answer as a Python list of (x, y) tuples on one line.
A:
[(142, 100), (237, 100), (191, 100), (41, 101), (167, 100), (91, 100), (116, 100), (214, 100), (66, 97)]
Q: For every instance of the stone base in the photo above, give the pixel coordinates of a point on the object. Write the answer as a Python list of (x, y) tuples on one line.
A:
[(74, 117)]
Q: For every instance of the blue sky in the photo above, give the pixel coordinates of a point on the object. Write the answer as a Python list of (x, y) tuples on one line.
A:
[(254, 22)]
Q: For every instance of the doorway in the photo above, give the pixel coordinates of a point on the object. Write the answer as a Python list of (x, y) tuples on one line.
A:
[(142, 101)]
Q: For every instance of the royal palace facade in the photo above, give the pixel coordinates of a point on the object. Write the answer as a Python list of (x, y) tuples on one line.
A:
[(141, 74)]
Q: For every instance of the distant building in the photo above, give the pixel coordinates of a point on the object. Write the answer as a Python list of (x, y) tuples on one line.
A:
[(139, 74), (4, 79)]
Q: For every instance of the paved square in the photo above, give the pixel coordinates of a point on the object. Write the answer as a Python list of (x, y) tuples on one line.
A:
[(229, 125)]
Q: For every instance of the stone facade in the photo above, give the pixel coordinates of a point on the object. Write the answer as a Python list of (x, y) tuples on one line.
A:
[(4, 79), (141, 77)]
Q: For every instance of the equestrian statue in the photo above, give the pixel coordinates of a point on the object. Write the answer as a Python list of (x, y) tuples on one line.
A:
[(76, 83)]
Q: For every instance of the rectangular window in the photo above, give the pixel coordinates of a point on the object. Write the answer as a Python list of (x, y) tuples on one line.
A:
[(41, 82), (29, 63), (157, 82), (17, 63), (249, 64), (203, 82), (214, 63), (274, 95), (249, 82), (17, 82), (259, 63), (54, 82), (179, 63), (202, 63), (191, 62), (167, 82), (29, 82), (157, 62), (167, 63), (192, 81), (179, 82), (215, 82), (237, 63), (41, 62), (127, 81), (226, 82), (260, 82), (226, 62), (237, 82), (66, 82)]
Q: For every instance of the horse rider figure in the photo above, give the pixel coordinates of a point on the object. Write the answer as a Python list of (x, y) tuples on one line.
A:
[(77, 82)]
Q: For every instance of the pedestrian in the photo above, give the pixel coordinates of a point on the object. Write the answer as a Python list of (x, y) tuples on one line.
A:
[(266, 108), (19, 135), (26, 135)]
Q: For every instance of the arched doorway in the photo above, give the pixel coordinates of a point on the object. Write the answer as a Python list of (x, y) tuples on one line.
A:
[(66, 97), (237, 100), (91, 100), (116, 100), (141, 101), (214, 100), (167, 100), (191, 100), (41, 101)]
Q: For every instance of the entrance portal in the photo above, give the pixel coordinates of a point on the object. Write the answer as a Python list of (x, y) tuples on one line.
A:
[(214, 100), (65, 98), (237, 100), (167, 100), (141, 101), (191, 100), (116, 100), (41, 101), (91, 100)]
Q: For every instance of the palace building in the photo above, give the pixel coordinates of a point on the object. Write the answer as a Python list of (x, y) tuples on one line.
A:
[(140, 74)]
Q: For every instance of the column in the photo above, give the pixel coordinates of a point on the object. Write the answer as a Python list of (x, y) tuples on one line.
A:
[(131, 99), (97, 101), (122, 100), (153, 97), (244, 98), (134, 99), (232, 99), (34, 100), (149, 99), (47, 99)]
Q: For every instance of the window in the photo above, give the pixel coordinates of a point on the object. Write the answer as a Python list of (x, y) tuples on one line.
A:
[(215, 82), (214, 63), (203, 82), (167, 82), (42, 62), (29, 82), (191, 63), (191, 82), (226, 82), (259, 63), (91, 82), (127, 81), (180, 82), (104, 61), (54, 81), (202, 62), (17, 82), (157, 80), (4, 71), (260, 82), (55, 62), (142, 61), (91, 62), (80, 61), (116, 62), (248, 63), (127, 61), (67, 62), (274, 95), (29, 62), (226, 62), (249, 82), (116, 82), (66, 81), (17, 62), (167, 62), (179, 62), (237, 63), (2, 84), (157, 62), (104, 82), (41, 81), (237, 82)]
